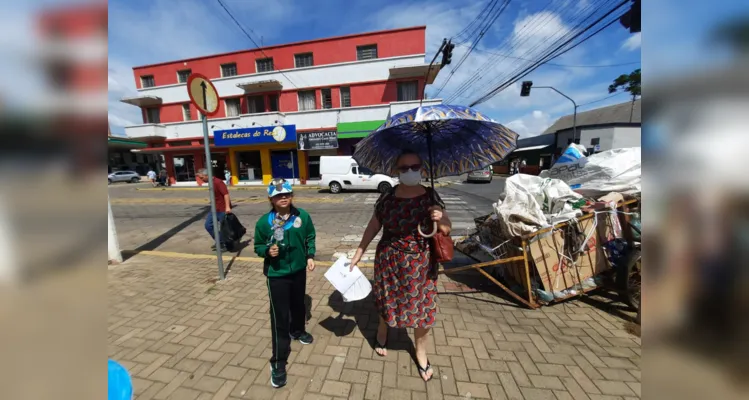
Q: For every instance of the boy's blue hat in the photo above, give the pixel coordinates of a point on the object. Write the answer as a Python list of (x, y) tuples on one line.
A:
[(279, 186)]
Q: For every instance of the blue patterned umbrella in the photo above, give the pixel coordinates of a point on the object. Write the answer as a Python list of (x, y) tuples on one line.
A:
[(461, 140), (450, 140)]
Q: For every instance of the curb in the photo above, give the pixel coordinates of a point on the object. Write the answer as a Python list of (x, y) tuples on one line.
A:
[(225, 257), (235, 188)]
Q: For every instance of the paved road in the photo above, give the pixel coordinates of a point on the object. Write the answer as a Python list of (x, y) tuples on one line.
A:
[(172, 220)]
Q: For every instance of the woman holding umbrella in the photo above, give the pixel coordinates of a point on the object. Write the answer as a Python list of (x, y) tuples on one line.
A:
[(405, 289), (452, 140)]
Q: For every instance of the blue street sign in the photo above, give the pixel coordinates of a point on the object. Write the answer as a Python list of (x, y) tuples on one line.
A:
[(260, 135)]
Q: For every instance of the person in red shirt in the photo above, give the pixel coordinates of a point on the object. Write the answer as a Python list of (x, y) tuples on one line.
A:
[(223, 204)]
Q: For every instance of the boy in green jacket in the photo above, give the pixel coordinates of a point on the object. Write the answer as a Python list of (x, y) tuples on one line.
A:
[(285, 238)]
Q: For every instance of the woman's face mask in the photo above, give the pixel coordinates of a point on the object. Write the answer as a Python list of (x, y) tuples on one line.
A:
[(410, 175)]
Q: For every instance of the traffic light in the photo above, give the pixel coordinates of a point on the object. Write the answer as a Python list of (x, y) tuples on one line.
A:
[(632, 19), (525, 89), (447, 53)]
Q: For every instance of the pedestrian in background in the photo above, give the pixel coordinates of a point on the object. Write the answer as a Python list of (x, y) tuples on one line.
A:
[(152, 177), (405, 286), (223, 205), (285, 238), (227, 175)]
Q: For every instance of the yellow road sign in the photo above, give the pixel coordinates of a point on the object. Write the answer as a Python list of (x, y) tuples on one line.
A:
[(202, 94)]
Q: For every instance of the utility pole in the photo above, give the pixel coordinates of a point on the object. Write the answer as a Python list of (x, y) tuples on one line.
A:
[(525, 91)]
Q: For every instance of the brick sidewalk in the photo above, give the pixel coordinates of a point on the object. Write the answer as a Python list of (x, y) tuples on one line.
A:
[(182, 335)]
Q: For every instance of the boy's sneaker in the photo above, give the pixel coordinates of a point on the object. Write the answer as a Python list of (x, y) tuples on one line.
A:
[(277, 378), (304, 338), (223, 248)]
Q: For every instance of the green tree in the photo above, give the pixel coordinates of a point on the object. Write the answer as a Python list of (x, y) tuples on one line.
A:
[(628, 83)]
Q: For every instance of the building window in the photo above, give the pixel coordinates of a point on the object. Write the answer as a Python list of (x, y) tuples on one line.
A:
[(408, 91), (183, 75), (327, 98), (303, 60), (595, 141), (186, 112), (273, 102), (264, 65), (368, 52), (306, 100), (228, 69), (147, 81), (345, 97), (256, 104), (153, 116), (232, 107)]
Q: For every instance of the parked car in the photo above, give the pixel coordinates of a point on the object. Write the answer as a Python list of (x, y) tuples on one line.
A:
[(481, 175), (124, 176), (339, 173)]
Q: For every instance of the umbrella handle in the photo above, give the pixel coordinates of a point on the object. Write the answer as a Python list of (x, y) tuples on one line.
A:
[(434, 231)]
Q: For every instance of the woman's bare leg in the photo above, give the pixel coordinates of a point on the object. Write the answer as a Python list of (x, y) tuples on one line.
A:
[(422, 336), (382, 337)]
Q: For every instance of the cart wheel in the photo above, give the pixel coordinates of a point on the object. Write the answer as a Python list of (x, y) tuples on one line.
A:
[(633, 281)]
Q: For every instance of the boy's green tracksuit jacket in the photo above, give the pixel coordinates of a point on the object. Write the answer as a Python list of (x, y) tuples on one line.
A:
[(297, 247)]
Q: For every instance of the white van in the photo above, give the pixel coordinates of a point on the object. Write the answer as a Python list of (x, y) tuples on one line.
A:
[(341, 172)]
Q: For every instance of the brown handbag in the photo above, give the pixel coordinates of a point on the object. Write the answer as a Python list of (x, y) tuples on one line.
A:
[(442, 245), (442, 248)]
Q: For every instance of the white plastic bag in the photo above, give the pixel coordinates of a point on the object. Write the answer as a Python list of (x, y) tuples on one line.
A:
[(617, 170), (531, 202), (353, 285)]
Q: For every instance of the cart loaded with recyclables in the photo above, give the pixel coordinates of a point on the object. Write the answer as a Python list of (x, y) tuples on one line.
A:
[(560, 235)]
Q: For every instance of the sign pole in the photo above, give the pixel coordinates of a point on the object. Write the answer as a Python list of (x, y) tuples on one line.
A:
[(204, 97), (213, 200), (293, 174)]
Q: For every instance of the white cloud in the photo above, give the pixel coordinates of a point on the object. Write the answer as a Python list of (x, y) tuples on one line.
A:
[(633, 42), (532, 124)]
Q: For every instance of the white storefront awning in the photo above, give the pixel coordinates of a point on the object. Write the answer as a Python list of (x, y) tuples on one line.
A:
[(532, 148)]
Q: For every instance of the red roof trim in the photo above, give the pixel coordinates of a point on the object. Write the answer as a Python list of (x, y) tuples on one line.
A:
[(412, 28)]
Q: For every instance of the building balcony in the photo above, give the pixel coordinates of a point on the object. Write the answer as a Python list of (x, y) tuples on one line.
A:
[(347, 73), (304, 120), (147, 132)]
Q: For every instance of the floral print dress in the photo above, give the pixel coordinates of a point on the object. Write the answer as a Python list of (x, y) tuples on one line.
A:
[(405, 291)]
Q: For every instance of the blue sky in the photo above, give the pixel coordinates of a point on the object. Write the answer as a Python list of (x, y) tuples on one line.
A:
[(144, 32)]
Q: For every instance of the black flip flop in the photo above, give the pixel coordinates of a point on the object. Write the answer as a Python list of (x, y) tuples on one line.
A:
[(382, 346), (424, 370)]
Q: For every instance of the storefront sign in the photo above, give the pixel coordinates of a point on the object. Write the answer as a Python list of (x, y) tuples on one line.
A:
[(317, 140), (250, 136)]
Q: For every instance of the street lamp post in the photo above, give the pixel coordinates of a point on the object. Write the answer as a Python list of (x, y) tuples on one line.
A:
[(526, 90)]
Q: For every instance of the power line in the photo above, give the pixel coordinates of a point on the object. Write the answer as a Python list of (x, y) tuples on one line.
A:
[(558, 65), (587, 13), (253, 40), (524, 32), (600, 100), (556, 52), (473, 45), (479, 16)]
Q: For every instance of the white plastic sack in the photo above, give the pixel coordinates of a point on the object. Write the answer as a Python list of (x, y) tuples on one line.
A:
[(353, 285), (531, 202), (617, 170)]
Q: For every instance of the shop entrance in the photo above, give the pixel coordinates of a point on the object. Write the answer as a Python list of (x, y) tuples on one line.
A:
[(218, 164), (249, 166), (282, 163), (184, 168)]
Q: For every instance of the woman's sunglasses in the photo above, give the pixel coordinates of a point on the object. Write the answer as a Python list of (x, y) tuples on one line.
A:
[(405, 168)]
